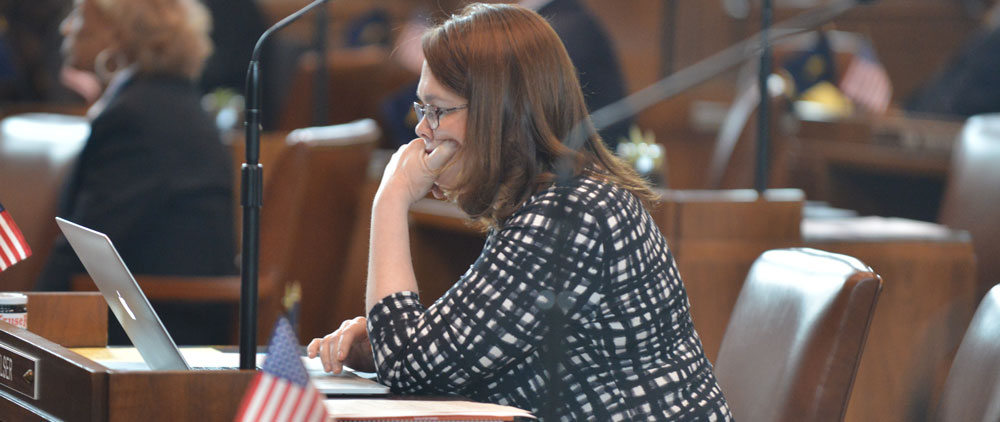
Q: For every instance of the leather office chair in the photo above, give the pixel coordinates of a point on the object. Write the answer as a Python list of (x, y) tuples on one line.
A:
[(357, 82), (37, 151), (284, 197), (310, 200), (972, 193), (794, 340), (972, 391), (326, 227)]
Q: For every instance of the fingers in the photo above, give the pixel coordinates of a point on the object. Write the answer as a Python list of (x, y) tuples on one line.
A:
[(440, 155), (334, 348)]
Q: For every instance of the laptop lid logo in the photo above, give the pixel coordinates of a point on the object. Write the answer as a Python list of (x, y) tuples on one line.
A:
[(125, 305)]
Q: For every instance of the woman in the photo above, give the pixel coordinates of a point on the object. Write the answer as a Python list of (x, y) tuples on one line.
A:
[(153, 175), (499, 95)]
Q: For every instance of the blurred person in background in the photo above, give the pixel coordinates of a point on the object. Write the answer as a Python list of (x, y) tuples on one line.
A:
[(29, 52), (969, 83), (586, 41), (153, 175)]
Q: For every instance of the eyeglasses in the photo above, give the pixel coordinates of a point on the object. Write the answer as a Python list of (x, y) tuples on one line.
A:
[(433, 113)]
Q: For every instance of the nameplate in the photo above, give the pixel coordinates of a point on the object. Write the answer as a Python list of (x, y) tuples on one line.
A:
[(18, 371)]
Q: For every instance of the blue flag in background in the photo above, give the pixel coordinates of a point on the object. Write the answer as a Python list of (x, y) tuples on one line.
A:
[(810, 67)]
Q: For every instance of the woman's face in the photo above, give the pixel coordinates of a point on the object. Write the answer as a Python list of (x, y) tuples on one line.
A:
[(451, 126), (87, 32)]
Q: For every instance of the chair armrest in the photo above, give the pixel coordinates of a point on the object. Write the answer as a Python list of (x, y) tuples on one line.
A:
[(224, 289)]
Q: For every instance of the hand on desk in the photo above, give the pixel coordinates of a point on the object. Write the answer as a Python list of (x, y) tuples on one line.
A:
[(347, 346)]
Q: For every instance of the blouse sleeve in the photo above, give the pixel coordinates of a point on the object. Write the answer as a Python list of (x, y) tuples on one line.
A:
[(490, 319)]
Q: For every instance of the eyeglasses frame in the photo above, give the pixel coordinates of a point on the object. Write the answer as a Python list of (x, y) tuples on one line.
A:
[(433, 113)]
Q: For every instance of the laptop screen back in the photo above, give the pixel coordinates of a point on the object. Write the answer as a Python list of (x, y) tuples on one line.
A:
[(124, 297)]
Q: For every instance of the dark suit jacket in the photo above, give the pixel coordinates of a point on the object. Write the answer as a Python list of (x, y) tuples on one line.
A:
[(590, 49), (969, 83), (155, 177)]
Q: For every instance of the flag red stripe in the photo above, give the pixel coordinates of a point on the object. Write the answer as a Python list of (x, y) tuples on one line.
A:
[(6, 255), (247, 398), (256, 397), (293, 407), (303, 409), (318, 410), (292, 397), (275, 398), (20, 237), (868, 85)]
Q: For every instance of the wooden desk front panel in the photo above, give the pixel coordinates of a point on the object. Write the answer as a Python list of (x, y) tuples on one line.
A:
[(176, 395), (926, 305), (70, 387)]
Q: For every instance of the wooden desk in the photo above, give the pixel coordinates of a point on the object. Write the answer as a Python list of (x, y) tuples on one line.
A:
[(926, 305), (890, 166), (68, 386)]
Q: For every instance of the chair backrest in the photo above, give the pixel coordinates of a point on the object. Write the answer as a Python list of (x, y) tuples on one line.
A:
[(308, 215), (794, 340), (338, 161), (972, 194), (37, 152), (972, 391), (282, 206), (357, 82)]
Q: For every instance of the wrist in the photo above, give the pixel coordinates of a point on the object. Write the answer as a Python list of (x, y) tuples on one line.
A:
[(386, 206)]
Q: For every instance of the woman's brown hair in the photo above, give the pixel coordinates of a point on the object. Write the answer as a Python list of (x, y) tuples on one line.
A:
[(524, 99)]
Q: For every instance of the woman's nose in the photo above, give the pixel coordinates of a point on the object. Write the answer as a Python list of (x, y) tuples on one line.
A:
[(423, 130)]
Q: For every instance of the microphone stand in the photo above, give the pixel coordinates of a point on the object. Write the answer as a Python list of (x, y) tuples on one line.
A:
[(251, 194), (764, 108)]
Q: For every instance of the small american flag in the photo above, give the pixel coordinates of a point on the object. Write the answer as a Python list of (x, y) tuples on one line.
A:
[(282, 391), (866, 81), (13, 248)]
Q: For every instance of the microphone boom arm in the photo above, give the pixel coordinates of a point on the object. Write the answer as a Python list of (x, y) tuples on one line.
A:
[(251, 195)]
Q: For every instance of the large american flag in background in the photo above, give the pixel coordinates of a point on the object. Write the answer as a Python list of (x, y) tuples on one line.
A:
[(282, 391), (866, 82), (13, 248)]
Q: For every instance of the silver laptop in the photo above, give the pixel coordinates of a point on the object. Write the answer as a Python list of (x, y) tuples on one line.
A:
[(143, 326), (124, 297)]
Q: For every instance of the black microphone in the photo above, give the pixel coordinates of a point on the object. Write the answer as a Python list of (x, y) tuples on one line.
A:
[(251, 192)]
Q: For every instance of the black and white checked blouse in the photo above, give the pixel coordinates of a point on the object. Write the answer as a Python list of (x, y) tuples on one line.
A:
[(629, 350)]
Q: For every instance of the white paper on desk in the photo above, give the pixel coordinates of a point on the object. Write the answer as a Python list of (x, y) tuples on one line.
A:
[(129, 359), (392, 409)]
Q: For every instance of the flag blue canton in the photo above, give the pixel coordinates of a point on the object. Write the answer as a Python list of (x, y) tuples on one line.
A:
[(283, 358)]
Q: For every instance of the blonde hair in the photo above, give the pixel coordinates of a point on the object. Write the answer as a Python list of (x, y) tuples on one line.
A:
[(161, 36)]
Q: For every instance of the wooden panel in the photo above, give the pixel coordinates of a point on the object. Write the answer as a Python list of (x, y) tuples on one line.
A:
[(889, 166), (191, 395), (70, 387), (739, 214), (925, 307), (713, 272), (73, 319)]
